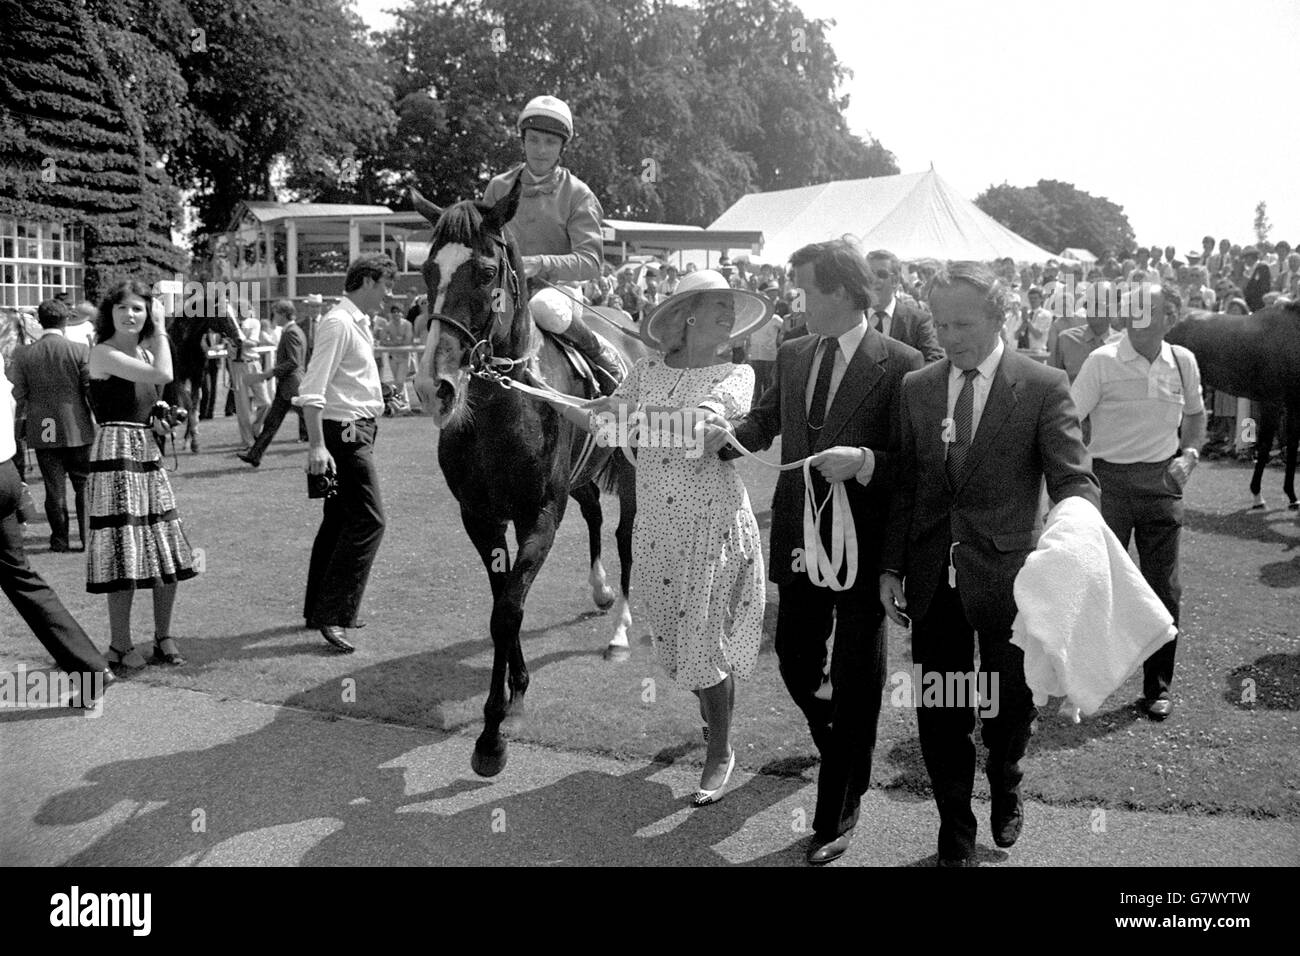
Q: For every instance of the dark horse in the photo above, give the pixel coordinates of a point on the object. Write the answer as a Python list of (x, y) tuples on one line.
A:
[(509, 458), (1257, 357), (188, 359)]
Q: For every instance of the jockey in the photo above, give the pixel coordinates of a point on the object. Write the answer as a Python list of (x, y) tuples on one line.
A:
[(557, 229)]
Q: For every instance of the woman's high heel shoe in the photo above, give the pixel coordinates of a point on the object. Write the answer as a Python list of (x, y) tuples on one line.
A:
[(703, 798), (125, 663), (172, 657)]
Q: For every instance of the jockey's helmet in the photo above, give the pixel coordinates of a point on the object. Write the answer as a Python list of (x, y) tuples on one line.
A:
[(549, 115)]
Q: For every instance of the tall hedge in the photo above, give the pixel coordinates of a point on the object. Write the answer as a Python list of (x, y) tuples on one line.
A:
[(72, 142)]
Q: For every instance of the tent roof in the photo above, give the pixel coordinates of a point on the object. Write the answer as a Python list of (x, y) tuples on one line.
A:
[(914, 215), (1078, 255)]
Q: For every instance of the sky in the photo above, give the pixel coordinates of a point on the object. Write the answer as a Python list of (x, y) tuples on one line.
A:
[(1183, 113)]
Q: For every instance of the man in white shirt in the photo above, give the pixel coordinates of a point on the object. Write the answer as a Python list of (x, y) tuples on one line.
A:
[(1148, 424), (341, 399)]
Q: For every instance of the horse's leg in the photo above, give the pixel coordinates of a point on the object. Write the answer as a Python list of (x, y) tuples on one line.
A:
[(1266, 432), (489, 537), (534, 544), (588, 498), (618, 649)]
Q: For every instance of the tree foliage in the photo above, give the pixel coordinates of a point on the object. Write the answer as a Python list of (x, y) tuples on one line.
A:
[(1056, 215), (679, 110), (1262, 225)]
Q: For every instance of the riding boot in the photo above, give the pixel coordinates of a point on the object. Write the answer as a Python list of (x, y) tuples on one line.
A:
[(609, 373)]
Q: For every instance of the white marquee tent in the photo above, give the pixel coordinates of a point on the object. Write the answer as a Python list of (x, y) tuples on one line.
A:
[(914, 215)]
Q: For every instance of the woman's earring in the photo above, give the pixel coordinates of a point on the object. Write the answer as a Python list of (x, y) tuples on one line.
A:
[(690, 320)]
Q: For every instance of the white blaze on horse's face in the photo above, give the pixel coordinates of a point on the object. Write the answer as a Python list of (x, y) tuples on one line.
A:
[(449, 258), (442, 382)]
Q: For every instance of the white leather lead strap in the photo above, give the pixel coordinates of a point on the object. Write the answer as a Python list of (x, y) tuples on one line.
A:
[(824, 570)]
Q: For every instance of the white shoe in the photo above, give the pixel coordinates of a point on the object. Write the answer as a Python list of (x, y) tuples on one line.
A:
[(703, 798)]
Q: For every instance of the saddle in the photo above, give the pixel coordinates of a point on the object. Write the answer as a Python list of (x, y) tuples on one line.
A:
[(590, 374)]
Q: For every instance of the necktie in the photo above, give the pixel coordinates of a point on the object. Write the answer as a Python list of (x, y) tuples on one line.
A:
[(880, 321), (963, 414), (817, 413)]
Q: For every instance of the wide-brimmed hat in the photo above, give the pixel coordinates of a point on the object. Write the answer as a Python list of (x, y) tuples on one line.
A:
[(314, 299), (752, 310)]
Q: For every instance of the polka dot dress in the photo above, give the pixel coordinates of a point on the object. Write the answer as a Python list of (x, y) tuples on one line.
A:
[(695, 543)]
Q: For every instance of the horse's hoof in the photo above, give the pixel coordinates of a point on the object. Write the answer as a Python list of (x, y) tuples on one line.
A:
[(488, 765), (1293, 506), (618, 654), (606, 599)]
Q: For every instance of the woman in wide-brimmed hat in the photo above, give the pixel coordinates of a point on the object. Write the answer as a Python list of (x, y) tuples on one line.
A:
[(696, 544)]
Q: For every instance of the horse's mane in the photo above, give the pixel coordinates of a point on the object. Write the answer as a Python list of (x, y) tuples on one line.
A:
[(461, 224)]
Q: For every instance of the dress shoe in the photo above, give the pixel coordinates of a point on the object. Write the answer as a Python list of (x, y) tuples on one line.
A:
[(60, 547), (1159, 709), (703, 798), (954, 861), (249, 459), (336, 637), (823, 851), (1008, 819)]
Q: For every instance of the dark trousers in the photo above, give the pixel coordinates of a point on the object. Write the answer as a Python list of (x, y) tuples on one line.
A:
[(57, 466), (351, 528), (280, 407), (942, 643), (207, 398), (844, 727), (31, 597), (1140, 501)]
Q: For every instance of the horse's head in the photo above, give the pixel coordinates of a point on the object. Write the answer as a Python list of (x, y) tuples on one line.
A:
[(477, 305)]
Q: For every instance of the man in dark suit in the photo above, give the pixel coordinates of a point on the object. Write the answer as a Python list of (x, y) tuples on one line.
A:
[(290, 361), (1259, 281), (891, 316), (835, 396), (979, 433), (51, 379)]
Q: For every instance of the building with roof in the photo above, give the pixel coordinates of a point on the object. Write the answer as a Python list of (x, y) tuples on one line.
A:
[(292, 250)]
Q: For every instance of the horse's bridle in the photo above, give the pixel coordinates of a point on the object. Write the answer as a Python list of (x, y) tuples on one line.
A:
[(482, 361)]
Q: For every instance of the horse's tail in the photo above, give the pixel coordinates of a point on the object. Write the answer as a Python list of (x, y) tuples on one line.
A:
[(609, 474)]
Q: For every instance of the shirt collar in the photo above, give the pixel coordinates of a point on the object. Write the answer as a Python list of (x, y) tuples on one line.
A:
[(45, 332), (889, 309), (1127, 353), (850, 340), (354, 313), (987, 368)]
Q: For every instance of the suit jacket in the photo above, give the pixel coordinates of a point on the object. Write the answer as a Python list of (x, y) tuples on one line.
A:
[(863, 414), (914, 327), (51, 379), (1029, 430), (290, 360)]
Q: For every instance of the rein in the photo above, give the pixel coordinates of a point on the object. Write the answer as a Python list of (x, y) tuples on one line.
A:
[(823, 569)]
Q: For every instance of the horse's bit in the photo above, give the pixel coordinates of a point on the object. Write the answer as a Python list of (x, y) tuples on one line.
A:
[(482, 362)]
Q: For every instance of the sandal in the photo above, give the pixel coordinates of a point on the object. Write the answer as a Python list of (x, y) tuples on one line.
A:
[(161, 656), (123, 663)]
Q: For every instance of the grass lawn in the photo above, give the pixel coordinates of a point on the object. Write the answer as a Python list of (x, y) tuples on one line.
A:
[(1230, 747)]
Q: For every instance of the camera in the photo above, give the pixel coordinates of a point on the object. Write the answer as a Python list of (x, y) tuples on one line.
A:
[(169, 414), (324, 485)]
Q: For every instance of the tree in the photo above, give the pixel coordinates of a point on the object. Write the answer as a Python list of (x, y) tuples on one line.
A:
[(679, 111), (1056, 215), (1262, 225), (76, 143)]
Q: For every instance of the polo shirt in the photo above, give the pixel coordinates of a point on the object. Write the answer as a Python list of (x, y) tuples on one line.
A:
[(1136, 406)]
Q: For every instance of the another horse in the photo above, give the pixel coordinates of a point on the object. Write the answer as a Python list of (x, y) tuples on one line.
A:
[(509, 458), (1258, 357)]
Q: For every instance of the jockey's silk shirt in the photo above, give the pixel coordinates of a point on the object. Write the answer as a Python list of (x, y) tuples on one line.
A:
[(342, 378), (1136, 406), (558, 221)]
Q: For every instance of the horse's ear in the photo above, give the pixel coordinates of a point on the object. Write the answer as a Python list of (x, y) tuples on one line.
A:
[(500, 214), (425, 208)]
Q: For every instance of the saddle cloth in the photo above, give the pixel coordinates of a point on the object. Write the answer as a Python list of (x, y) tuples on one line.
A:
[(581, 365)]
